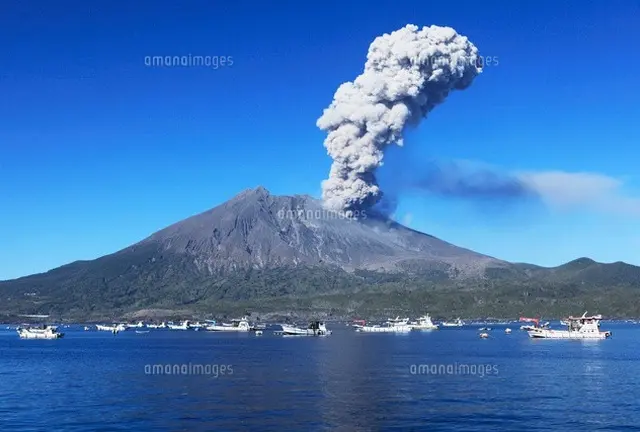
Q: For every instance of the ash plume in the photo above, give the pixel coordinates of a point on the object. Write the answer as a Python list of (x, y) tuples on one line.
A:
[(451, 179), (459, 181), (407, 73)]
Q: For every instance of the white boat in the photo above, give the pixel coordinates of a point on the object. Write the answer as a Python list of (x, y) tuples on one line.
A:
[(507, 330), (43, 332), (184, 325), (115, 328), (157, 326), (584, 327), (139, 325), (237, 325), (457, 323), (315, 328), (484, 335), (397, 325), (424, 323)]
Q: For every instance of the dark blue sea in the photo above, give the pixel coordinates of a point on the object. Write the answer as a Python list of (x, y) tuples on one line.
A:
[(446, 380)]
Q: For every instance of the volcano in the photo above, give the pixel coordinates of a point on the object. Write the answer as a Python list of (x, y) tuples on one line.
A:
[(258, 247)]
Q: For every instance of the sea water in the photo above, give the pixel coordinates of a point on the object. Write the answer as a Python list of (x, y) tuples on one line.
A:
[(444, 380)]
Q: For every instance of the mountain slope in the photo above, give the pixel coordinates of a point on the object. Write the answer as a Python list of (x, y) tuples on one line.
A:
[(258, 230), (263, 251)]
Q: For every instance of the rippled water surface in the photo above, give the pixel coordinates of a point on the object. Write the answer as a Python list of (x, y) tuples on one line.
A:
[(95, 381)]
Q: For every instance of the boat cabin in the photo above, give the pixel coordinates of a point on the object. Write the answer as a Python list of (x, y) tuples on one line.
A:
[(584, 323)]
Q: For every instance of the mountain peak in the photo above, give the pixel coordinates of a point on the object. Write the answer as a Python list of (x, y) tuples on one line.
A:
[(581, 262), (256, 191)]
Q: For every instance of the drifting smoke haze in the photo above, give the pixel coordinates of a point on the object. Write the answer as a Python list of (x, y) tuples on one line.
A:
[(453, 179), (467, 181), (407, 73)]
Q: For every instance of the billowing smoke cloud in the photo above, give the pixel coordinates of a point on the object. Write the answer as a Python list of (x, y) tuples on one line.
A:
[(407, 73)]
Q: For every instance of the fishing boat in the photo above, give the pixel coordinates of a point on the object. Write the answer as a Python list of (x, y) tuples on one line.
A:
[(138, 325), (236, 325), (396, 325), (457, 323), (115, 328), (184, 325), (315, 328), (197, 326), (424, 323), (584, 327), (536, 324), (42, 332), (157, 326)]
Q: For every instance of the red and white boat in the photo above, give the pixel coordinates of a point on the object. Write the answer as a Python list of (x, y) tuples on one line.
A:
[(536, 324)]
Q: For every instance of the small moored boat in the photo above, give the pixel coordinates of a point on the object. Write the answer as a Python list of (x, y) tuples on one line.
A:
[(42, 332), (139, 325), (457, 323), (315, 328), (116, 328), (397, 325), (237, 325), (184, 325), (157, 326), (424, 323)]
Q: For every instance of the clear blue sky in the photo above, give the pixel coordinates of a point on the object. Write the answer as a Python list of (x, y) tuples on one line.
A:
[(97, 151)]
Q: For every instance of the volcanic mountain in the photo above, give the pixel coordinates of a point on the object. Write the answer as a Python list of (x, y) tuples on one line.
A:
[(262, 249), (259, 230)]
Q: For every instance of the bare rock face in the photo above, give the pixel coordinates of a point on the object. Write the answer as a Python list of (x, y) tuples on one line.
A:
[(258, 230)]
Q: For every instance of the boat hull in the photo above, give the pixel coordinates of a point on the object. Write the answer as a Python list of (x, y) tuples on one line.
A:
[(424, 327), (394, 329), (565, 334), (26, 334), (112, 329), (296, 331), (227, 329)]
